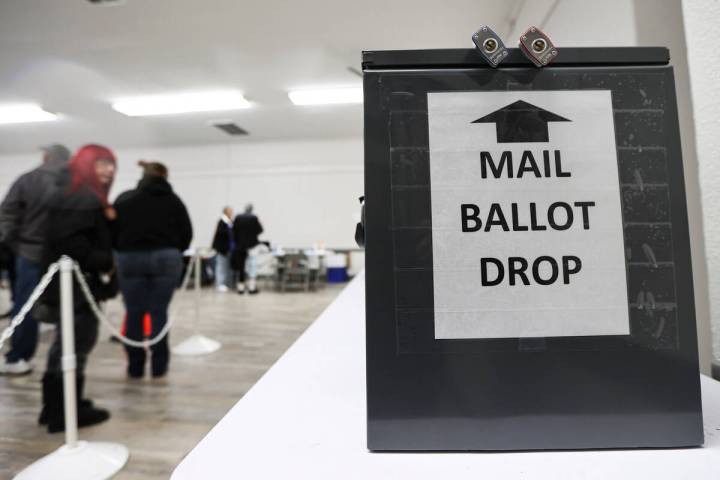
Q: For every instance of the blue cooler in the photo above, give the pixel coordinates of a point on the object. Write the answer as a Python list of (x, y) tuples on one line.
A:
[(337, 268)]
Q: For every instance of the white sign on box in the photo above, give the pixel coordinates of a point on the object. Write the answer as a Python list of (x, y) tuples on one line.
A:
[(526, 215)]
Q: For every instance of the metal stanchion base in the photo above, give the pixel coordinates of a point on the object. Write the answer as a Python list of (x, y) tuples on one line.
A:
[(87, 461), (196, 345)]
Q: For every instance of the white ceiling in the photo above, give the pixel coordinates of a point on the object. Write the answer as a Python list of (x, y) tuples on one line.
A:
[(74, 58)]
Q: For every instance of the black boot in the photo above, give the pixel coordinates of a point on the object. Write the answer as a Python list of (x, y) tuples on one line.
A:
[(44, 417), (52, 412), (87, 414), (160, 358), (47, 399), (136, 362)]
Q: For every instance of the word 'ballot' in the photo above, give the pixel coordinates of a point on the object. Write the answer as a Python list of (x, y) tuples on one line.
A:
[(526, 215)]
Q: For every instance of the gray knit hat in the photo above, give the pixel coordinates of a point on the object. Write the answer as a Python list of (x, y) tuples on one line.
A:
[(56, 152)]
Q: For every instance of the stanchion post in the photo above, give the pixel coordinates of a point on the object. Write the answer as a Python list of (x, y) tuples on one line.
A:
[(198, 280), (197, 344), (69, 362), (76, 460)]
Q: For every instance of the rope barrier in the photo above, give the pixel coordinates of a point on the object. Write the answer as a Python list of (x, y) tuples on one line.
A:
[(39, 290), (91, 459), (97, 311), (113, 330)]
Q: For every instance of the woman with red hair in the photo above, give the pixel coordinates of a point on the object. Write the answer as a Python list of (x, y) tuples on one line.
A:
[(79, 226)]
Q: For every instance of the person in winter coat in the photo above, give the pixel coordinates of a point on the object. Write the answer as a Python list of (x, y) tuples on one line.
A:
[(151, 231), (23, 217), (224, 244), (78, 225), (246, 229)]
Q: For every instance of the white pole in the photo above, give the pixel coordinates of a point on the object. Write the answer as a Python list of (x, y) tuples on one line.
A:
[(67, 329), (198, 271), (197, 344), (76, 460)]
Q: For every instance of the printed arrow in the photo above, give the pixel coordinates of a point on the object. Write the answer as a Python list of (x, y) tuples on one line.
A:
[(521, 122)]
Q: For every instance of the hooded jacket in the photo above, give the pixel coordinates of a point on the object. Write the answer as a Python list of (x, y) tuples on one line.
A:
[(151, 217), (24, 212), (77, 227)]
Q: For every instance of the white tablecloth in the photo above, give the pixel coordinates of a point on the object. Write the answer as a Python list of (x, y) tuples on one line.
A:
[(306, 419)]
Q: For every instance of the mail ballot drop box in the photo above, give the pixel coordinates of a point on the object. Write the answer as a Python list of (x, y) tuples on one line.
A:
[(528, 273)]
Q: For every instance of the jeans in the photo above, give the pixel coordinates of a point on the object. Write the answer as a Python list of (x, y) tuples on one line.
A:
[(251, 264), (24, 339), (147, 282), (223, 274)]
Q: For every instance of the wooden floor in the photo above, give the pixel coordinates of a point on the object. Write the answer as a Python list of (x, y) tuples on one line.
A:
[(161, 421)]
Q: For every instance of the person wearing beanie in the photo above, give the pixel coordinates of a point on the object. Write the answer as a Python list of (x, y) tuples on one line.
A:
[(23, 218), (78, 226), (151, 231)]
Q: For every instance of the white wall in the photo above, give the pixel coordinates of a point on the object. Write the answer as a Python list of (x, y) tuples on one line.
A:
[(701, 24), (303, 192), (577, 23)]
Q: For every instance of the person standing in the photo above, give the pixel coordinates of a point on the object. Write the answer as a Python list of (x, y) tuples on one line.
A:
[(23, 218), (78, 225), (224, 244), (151, 231), (246, 229)]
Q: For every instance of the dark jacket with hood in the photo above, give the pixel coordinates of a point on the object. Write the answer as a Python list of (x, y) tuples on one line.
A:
[(24, 212), (246, 229), (151, 217), (77, 227)]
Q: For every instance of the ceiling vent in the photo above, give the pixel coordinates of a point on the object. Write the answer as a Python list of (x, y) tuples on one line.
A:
[(107, 3), (230, 128)]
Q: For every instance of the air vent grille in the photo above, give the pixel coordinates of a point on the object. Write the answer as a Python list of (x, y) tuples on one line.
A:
[(230, 128), (107, 3)]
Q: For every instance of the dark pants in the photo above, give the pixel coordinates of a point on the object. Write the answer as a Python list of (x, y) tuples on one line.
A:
[(239, 256), (25, 338), (86, 333), (147, 282)]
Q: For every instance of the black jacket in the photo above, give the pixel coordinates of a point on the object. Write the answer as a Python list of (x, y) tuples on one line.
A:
[(23, 213), (246, 229), (77, 227), (151, 217), (221, 239)]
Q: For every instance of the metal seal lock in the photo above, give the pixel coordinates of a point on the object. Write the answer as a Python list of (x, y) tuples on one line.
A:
[(538, 47), (490, 46)]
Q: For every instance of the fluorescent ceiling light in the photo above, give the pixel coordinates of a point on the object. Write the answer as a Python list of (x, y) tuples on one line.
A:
[(24, 113), (326, 96), (181, 103)]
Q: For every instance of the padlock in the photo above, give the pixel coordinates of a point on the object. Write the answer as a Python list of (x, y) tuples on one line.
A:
[(538, 47), (490, 46)]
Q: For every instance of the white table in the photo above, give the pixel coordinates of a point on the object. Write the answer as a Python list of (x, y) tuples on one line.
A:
[(306, 419)]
